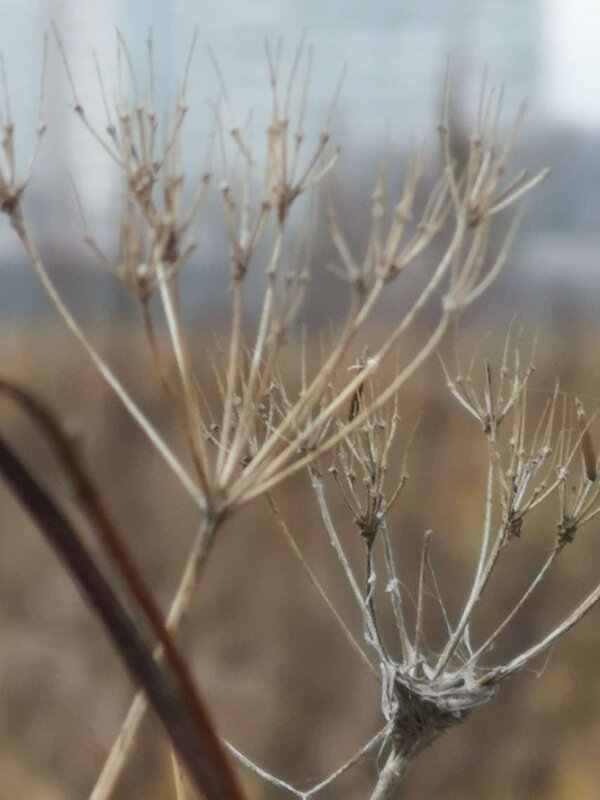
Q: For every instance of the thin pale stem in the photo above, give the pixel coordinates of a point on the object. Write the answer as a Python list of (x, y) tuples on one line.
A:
[(233, 368), (509, 617), (334, 540), (316, 583), (393, 773), (479, 579), (178, 779), (344, 395), (394, 591), (364, 751), (244, 427), (370, 604), (123, 744), (421, 594), (262, 773), (318, 787), (384, 397), (521, 661), (135, 412), (356, 316)]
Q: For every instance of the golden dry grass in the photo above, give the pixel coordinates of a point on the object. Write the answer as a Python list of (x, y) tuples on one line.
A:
[(280, 679)]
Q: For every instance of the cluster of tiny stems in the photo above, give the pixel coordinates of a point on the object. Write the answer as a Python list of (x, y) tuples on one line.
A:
[(340, 423)]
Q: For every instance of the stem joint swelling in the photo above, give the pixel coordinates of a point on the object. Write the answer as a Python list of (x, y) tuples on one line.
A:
[(420, 709)]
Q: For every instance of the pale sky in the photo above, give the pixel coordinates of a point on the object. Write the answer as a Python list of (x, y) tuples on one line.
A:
[(571, 59), (395, 49), (545, 51)]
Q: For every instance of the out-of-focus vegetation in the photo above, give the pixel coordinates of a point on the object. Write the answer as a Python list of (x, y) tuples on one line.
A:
[(279, 676)]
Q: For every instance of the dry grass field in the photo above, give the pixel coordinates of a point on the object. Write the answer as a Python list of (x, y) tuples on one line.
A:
[(278, 675)]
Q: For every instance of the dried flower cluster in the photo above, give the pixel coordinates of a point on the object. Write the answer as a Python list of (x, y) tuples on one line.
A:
[(340, 422)]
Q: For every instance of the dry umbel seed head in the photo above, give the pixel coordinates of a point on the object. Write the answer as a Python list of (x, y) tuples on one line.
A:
[(336, 410), (12, 186)]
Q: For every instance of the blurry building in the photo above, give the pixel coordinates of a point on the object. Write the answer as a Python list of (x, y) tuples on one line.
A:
[(546, 51)]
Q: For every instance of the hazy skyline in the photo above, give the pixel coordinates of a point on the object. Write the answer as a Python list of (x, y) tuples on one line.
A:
[(547, 51), (395, 52)]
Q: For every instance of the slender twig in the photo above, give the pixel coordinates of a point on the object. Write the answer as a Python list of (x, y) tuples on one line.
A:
[(122, 745), (132, 408), (518, 606), (317, 584), (481, 574), (420, 595), (334, 540), (521, 661)]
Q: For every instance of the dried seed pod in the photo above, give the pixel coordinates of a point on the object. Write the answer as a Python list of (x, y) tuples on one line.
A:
[(587, 445), (355, 402)]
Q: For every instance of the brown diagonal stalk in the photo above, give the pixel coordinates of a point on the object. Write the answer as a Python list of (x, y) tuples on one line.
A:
[(171, 691)]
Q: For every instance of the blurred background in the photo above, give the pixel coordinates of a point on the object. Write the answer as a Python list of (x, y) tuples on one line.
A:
[(258, 634)]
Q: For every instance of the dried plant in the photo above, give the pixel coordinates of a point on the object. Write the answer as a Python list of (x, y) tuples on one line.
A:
[(340, 420)]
